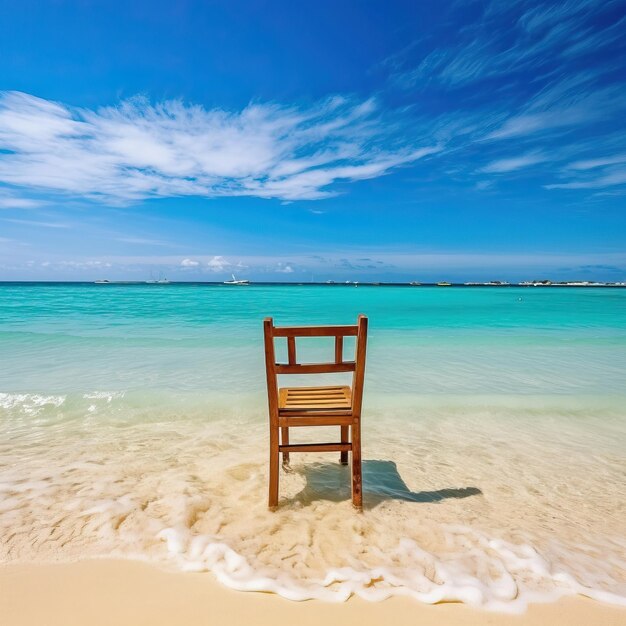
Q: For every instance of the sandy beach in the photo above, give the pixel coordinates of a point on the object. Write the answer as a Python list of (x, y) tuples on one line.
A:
[(122, 592)]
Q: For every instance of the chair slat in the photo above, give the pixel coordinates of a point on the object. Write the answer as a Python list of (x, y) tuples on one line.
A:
[(304, 398), (316, 447), (291, 350), (315, 331), (312, 410), (315, 368), (339, 349), (315, 403), (316, 389), (314, 420)]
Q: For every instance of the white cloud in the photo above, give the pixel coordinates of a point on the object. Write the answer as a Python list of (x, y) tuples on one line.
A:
[(285, 269), (218, 264), (36, 223), (512, 164), (18, 203), (601, 162), (139, 150), (481, 185), (572, 102), (84, 265), (529, 123), (610, 179), (189, 263)]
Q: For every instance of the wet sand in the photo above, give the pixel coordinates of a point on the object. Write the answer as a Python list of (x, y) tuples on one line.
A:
[(103, 592)]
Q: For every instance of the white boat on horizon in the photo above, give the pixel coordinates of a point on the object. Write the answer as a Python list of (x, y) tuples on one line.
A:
[(234, 281), (161, 280)]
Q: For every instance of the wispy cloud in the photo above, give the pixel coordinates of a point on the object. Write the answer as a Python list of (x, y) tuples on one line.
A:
[(523, 78), (509, 38), (142, 241), (36, 223), (10, 202), (609, 179), (597, 173), (572, 102), (514, 163), (139, 150), (594, 163)]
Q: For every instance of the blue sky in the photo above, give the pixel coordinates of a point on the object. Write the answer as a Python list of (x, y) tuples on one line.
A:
[(327, 140)]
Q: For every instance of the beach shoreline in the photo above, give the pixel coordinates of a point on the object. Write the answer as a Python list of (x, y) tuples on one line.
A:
[(103, 592), (493, 450)]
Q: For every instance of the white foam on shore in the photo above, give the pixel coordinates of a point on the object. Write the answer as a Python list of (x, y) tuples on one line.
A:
[(471, 506), (521, 574), (108, 396), (29, 403)]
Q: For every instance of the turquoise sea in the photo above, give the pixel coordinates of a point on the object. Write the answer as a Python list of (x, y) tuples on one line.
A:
[(425, 340), (133, 424)]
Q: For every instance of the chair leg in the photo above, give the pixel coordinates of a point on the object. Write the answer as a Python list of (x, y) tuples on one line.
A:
[(274, 461), (357, 480), (343, 459), (285, 441)]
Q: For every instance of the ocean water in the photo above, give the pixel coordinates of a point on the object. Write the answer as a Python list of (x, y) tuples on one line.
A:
[(133, 424)]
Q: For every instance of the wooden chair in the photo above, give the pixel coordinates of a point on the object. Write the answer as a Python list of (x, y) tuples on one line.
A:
[(315, 406)]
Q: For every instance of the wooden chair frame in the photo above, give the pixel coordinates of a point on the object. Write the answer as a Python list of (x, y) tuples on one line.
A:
[(315, 406)]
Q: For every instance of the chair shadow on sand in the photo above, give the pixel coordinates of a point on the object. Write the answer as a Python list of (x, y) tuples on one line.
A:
[(381, 482)]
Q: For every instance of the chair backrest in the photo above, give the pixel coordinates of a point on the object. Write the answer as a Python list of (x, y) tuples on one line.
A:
[(357, 366)]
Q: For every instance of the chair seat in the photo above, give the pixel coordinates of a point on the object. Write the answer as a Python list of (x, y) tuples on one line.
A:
[(304, 399)]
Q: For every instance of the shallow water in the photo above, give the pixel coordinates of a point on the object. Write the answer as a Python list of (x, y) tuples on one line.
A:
[(133, 424)]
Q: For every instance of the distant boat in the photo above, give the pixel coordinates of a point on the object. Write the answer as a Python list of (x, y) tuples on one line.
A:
[(414, 283), (444, 284), (535, 283), (102, 281), (234, 281), (161, 281)]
